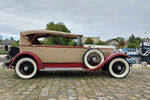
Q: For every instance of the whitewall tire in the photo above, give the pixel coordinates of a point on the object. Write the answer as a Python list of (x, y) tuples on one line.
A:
[(119, 68), (93, 58), (26, 68)]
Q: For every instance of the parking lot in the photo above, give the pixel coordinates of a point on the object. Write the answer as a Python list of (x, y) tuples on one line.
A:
[(82, 85)]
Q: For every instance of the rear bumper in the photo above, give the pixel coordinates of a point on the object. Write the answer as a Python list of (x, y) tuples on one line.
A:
[(3, 65), (6, 65)]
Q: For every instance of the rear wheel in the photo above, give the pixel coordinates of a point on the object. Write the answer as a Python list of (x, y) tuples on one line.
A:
[(119, 68), (26, 68)]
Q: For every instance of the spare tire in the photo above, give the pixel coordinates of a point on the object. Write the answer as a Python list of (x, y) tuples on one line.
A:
[(93, 58), (13, 52)]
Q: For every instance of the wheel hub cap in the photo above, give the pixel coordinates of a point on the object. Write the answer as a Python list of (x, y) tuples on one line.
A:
[(119, 68), (94, 59), (26, 68)]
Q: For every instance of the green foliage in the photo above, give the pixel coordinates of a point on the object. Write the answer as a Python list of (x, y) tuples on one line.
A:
[(134, 42), (11, 38), (72, 43), (89, 41), (3, 51), (133, 45), (139, 40), (54, 41), (47, 42), (1, 38), (101, 43), (15, 44), (120, 39), (57, 27), (132, 39), (57, 40)]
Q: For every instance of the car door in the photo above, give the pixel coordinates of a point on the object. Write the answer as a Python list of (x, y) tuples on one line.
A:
[(70, 54), (50, 54)]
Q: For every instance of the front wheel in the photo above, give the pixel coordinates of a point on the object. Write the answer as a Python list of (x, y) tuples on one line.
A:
[(26, 68), (119, 68)]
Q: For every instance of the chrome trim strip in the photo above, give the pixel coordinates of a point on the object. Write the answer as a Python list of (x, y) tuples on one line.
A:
[(61, 69)]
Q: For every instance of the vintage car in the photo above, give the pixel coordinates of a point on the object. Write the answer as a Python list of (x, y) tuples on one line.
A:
[(33, 56)]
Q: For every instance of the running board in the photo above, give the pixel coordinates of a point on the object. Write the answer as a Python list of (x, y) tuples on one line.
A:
[(62, 69)]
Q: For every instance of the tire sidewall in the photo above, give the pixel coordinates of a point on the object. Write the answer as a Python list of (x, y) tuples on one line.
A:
[(86, 55), (26, 60), (127, 68)]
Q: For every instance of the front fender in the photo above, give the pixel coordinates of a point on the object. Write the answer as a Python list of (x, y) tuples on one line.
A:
[(37, 59), (109, 58)]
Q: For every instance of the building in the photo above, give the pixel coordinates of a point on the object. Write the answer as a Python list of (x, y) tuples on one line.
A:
[(95, 39), (113, 42), (6, 42)]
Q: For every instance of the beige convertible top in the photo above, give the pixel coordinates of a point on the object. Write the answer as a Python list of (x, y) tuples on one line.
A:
[(43, 33), (30, 36)]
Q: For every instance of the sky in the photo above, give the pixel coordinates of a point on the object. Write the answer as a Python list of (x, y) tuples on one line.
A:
[(106, 19)]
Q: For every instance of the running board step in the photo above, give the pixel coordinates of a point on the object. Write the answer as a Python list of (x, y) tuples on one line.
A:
[(61, 69)]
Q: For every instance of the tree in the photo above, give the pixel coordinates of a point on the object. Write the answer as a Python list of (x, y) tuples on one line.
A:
[(72, 43), (139, 40), (134, 42), (58, 41), (55, 40), (15, 44), (57, 27), (133, 45), (89, 41), (1, 38), (120, 39), (11, 38), (100, 43), (132, 39)]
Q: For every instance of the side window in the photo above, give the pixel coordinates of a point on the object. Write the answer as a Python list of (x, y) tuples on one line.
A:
[(60, 41), (41, 40)]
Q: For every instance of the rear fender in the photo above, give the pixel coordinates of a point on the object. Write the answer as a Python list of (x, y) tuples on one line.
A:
[(108, 59), (26, 53)]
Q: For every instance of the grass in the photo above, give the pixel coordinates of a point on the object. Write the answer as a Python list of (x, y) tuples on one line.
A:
[(3, 51)]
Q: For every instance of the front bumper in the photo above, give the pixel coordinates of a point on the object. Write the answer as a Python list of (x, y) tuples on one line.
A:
[(130, 64)]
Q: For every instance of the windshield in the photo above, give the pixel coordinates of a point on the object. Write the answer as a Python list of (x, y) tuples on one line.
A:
[(79, 41)]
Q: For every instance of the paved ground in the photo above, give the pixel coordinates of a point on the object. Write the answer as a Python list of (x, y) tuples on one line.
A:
[(80, 85), (2, 58)]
